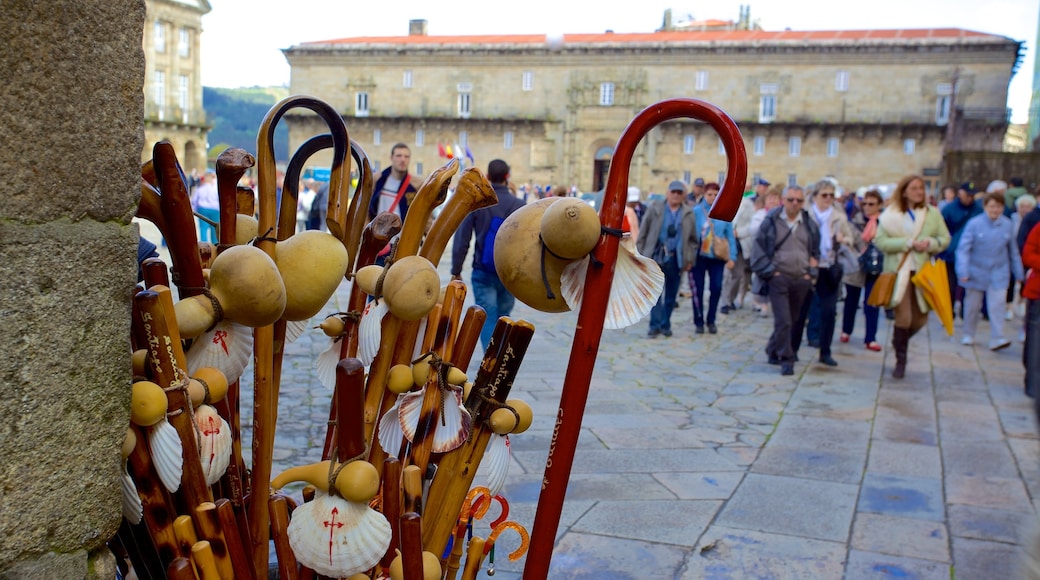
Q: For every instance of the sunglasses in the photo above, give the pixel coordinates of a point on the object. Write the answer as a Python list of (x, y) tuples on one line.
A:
[(826, 194), (795, 200), (868, 203)]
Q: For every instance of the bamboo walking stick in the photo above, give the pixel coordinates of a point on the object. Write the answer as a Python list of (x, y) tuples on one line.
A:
[(589, 328)]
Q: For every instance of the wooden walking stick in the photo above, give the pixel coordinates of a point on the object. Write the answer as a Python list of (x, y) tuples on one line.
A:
[(265, 383), (180, 221), (589, 328), (232, 164)]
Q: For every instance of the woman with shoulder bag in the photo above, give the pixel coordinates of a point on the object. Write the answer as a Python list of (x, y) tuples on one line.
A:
[(718, 250), (910, 234), (835, 232), (862, 281)]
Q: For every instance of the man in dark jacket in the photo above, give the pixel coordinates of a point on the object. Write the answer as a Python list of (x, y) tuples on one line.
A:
[(393, 190), (785, 255), (956, 215), (488, 291)]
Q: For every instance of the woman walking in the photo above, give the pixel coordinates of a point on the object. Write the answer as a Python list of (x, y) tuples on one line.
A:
[(862, 281), (718, 251), (910, 234), (987, 257), (835, 232)]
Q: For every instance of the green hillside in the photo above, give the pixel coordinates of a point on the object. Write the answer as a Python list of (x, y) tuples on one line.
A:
[(236, 115)]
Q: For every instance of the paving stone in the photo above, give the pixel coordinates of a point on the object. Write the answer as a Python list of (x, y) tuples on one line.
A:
[(908, 459), (705, 485), (978, 559), (989, 458), (974, 422), (834, 400), (725, 552), (984, 491), (650, 438), (801, 507), (911, 497), (810, 461), (905, 430), (871, 565), (794, 430), (594, 557), (901, 537), (983, 523), (662, 522)]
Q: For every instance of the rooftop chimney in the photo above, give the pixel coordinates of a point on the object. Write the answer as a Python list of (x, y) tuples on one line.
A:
[(417, 28)]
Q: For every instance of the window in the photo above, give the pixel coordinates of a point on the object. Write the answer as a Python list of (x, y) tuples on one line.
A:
[(507, 140), (687, 176), (183, 42), (909, 146), (794, 146), (687, 144), (407, 83), (722, 177), (361, 104), (841, 81), (527, 81), (182, 96), (722, 147), (160, 36), (792, 179), (463, 138), (377, 167), (943, 101), (606, 94), (420, 137), (759, 147), (767, 103), (700, 80), (418, 168), (159, 90), (377, 136), (464, 105), (755, 178), (832, 147)]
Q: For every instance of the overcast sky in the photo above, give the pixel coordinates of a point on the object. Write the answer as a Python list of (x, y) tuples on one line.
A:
[(242, 39)]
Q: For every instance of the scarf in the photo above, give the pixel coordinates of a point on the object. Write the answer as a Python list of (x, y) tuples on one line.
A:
[(870, 229), (826, 237)]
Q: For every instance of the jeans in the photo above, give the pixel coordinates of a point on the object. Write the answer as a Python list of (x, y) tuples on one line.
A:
[(206, 232), (492, 296), (1031, 351), (870, 313), (787, 297), (714, 268), (661, 313), (827, 287)]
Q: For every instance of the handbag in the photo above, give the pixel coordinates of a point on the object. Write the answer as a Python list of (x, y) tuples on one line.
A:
[(885, 285), (720, 248), (847, 259), (872, 261)]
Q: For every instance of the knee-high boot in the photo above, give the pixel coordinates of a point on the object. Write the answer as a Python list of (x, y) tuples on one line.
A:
[(900, 338)]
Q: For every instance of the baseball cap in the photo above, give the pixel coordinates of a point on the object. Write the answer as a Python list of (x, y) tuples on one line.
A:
[(698, 181), (969, 186), (633, 193), (677, 186), (761, 181)]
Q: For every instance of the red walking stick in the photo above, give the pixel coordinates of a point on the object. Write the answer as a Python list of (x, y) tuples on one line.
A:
[(600, 275)]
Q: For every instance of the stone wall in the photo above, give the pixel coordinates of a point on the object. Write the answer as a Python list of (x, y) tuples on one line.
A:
[(72, 77)]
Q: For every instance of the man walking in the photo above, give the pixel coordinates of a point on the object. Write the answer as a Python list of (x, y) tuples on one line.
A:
[(488, 291), (785, 255), (393, 190), (668, 234)]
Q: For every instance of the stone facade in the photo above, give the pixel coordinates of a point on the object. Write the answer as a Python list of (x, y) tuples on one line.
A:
[(67, 266), (864, 106), (173, 80)]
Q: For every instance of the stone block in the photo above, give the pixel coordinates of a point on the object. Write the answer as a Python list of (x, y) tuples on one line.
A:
[(897, 536), (791, 506), (911, 497), (726, 552)]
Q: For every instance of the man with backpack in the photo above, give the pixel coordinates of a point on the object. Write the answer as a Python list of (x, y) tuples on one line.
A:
[(488, 291)]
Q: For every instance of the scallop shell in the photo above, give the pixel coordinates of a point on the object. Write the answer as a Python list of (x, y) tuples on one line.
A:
[(214, 443), (167, 454), (294, 329), (420, 336), (338, 538), (370, 330), (391, 436), (638, 283), (453, 422), (133, 510), (228, 348), (495, 465), (326, 363)]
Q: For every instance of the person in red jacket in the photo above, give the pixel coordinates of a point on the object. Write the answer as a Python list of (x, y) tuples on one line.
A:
[(1031, 291)]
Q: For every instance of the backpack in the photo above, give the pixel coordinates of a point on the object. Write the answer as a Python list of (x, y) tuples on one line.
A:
[(872, 260), (487, 256)]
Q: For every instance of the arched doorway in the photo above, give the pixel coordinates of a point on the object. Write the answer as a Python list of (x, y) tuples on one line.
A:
[(191, 157), (600, 165)]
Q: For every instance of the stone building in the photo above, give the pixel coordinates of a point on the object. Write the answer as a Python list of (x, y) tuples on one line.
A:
[(173, 80), (864, 106)]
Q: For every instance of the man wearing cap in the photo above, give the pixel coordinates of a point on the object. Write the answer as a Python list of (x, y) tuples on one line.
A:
[(761, 187), (668, 234), (956, 215), (696, 192)]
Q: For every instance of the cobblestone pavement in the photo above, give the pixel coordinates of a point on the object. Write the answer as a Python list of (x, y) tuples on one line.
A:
[(698, 460)]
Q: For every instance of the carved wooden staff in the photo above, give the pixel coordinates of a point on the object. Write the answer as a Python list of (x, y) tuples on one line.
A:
[(232, 164), (180, 221), (265, 398), (598, 280)]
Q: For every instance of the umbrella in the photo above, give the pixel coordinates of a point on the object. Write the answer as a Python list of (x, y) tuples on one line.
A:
[(934, 284)]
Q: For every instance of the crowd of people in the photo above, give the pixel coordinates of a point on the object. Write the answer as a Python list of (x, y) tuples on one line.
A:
[(795, 253)]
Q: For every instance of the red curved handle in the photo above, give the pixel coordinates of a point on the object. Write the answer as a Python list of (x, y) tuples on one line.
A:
[(598, 279)]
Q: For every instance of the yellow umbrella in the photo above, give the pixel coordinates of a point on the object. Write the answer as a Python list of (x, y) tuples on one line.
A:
[(934, 284)]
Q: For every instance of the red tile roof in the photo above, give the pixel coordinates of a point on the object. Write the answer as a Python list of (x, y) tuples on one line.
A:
[(706, 36)]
